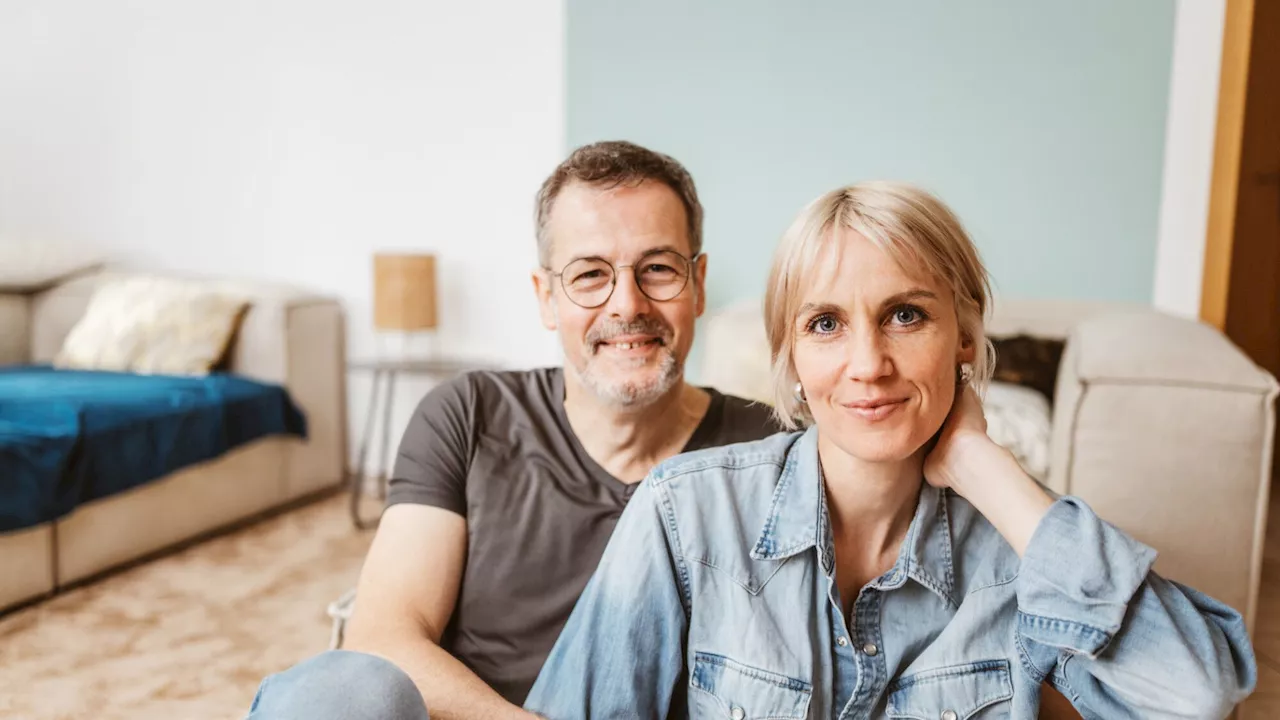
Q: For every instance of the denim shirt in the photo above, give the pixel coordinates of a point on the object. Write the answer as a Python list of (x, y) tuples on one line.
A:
[(717, 598)]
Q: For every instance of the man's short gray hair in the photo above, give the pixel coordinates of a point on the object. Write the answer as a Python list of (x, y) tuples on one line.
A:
[(617, 163)]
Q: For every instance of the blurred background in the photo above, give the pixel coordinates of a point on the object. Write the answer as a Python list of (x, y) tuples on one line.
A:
[(290, 141)]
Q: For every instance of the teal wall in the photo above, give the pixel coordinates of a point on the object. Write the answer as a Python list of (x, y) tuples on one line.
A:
[(1041, 122)]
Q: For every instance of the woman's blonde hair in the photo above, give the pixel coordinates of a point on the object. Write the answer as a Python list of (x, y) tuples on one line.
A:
[(915, 228)]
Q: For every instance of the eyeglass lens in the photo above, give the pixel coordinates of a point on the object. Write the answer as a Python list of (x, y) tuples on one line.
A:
[(661, 276)]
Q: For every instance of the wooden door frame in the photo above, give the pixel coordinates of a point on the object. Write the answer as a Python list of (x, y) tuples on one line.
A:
[(1240, 293), (1233, 84)]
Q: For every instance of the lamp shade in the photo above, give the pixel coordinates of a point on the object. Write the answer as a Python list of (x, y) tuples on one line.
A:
[(404, 291)]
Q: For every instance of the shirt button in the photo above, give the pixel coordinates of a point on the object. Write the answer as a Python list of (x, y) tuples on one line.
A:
[(841, 641), (871, 649), (949, 715), (738, 714)]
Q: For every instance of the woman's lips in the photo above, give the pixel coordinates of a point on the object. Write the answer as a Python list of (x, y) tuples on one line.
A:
[(875, 410)]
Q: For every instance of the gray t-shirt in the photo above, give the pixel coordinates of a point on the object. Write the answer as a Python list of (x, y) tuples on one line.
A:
[(497, 448)]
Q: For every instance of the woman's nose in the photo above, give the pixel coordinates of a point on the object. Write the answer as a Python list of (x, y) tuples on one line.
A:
[(868, 357)]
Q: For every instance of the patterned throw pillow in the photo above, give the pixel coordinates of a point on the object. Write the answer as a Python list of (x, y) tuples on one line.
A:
[(160, 326), (1019, 420)]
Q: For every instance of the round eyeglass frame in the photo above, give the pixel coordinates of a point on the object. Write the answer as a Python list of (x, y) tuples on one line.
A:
[(613, 282)]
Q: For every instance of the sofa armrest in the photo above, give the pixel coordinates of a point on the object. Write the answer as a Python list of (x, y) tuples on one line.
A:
[(298, 339), (1165, 428)]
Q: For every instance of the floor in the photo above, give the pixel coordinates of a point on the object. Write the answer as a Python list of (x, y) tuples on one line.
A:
[(189, 636)]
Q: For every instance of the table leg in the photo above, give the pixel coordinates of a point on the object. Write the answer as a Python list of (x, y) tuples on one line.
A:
[(362, 455), (385, 465)]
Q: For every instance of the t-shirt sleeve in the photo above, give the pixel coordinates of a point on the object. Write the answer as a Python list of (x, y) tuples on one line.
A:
[(435, 452)]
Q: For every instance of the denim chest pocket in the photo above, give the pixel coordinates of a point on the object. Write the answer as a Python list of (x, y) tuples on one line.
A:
[(959, 692), (724, 688)]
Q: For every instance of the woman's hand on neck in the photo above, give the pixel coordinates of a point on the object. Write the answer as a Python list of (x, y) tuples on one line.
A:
[(628, 442), (969, 462)]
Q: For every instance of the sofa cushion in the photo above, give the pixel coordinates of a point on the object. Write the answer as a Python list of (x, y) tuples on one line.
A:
[(154, 325)]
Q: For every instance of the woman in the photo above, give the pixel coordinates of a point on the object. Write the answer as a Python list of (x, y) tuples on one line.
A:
[(890, 559)]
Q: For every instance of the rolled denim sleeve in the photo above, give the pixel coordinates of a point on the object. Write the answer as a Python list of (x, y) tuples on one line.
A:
[(621, 655), (1115, 637)]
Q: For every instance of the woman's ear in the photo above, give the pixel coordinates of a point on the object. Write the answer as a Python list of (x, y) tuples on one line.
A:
[(968, 348)]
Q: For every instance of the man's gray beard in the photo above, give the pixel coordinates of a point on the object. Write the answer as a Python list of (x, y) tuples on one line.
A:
[(629, 394)]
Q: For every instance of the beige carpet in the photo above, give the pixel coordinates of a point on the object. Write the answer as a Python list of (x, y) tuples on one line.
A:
[(187, 636)]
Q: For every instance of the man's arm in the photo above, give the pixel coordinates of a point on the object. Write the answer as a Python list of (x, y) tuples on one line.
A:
[(406, 595)]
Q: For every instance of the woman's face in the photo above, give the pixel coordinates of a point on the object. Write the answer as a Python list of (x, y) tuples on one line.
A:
[(876, 351)]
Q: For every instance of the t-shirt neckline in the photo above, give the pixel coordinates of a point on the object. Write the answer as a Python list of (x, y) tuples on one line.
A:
[(706, 427)]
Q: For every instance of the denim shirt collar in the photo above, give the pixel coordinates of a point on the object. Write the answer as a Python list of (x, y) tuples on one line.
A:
[(798, 520)]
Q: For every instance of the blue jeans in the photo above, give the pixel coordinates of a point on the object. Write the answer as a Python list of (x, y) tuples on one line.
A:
[(339, 684)]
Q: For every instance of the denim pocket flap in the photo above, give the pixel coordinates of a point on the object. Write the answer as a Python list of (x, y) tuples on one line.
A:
[(956, 692), (748, 693)]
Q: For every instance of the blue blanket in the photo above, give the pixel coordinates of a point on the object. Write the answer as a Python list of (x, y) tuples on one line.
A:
[(68, 437)]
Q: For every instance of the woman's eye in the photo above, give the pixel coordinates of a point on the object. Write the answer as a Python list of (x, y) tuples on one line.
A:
[(823, 325), (907, 316)]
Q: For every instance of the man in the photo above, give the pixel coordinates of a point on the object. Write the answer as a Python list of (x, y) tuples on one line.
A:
[(507, 485)]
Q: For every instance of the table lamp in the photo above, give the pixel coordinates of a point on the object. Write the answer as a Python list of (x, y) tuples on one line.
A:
[(404, 292)]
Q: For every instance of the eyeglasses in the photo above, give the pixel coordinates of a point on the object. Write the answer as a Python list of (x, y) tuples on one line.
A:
[(661, 275)]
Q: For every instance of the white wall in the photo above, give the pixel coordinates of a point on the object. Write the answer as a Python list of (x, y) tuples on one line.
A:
[(1188, 159), (290, 139)]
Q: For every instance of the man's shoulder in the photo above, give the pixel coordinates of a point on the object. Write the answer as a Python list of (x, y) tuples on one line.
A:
[(743, 406), (487, 387), (536, 382), (480, 396), (743, 420)]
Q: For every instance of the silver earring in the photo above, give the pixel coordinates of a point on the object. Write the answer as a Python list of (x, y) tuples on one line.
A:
[(966, 373), (799, 393)]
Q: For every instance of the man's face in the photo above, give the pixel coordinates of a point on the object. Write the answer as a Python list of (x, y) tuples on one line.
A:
[(631, 349)]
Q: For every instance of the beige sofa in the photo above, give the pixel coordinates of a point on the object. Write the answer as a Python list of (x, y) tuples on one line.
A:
[(1161, 424), (289, 336)]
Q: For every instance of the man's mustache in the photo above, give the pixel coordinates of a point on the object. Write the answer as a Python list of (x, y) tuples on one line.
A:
[(610, 329)]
